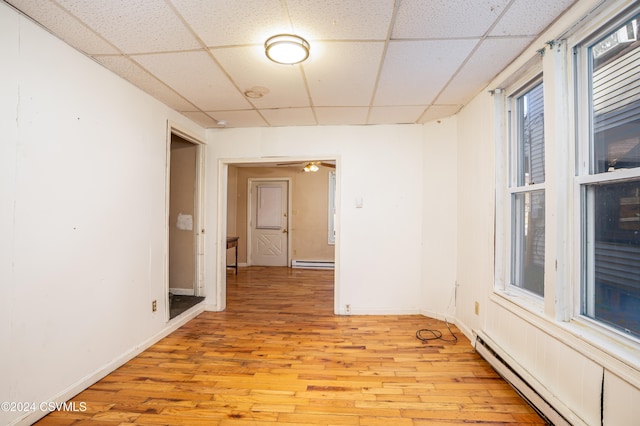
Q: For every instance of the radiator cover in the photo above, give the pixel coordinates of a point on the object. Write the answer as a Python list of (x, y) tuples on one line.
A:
[(313, 264), (519, 383)]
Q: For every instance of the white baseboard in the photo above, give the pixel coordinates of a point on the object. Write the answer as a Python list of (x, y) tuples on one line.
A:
[(377, 311), (90, 379), (182, 291)]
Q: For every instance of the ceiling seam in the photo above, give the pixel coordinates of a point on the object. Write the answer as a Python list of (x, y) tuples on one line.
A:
[(285, 8), (218, 64), (94, 57), (466, 60), (392, 23)]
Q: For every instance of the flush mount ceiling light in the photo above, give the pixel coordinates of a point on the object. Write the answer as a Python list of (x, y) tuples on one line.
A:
[(286, 49)]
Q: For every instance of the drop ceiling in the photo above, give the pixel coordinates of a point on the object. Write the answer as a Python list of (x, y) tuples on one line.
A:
[(371, 61)]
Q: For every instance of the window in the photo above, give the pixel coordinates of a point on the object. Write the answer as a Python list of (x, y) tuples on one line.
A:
[(527, 190), (609, 179)]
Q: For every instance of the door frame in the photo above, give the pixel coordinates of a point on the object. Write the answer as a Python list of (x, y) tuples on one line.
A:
[(198, 210), (249, 244), (221, 225)]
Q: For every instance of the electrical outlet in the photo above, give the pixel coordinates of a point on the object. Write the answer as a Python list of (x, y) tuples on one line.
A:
[(347, 308), (154, 306), (477, 308)]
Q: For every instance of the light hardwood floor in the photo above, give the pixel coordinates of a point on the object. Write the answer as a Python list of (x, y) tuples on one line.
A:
[(278, 355)]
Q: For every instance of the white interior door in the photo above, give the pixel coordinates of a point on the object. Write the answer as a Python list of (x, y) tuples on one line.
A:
[(269, 223)]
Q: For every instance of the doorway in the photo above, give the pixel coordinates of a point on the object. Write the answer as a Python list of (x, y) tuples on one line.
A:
[(268, 228), (183, 222), (310, 219)]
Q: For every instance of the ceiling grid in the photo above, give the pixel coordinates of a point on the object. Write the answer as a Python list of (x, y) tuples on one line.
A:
[(371, 62)]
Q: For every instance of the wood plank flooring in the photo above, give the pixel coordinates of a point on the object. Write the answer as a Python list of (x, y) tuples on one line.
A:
[(278, 355)]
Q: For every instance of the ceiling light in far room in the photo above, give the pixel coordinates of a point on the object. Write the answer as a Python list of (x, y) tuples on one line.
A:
[(311, 167), (286, 49)]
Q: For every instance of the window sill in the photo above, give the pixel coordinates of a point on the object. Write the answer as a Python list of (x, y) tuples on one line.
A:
[(616, 353), (523, 300)]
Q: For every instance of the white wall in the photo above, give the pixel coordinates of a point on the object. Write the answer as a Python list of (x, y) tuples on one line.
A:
[(378, 250), (82, 217), (475, 211), (439, 219), (570, 365), (82, 220)]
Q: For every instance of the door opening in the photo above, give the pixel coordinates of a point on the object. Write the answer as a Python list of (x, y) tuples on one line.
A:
[(312, 213), (184, 230)]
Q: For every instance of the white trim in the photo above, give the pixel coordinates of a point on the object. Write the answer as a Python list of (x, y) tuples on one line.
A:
[(331, 234), (617, 354), (199, 209), (367, 311), (108, 368), (182, 291), (221, 232), (581, 225), (527, 188), (250, 182), (527, 385), (620, 175), (221, 260)]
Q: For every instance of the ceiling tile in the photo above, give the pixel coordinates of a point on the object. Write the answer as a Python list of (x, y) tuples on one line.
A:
[(429, 19), (341, 19), (439, 56), (201, 118), (135, 26), (526, 17), (233, 22), (289, 116), (250, 69), (247, 118), (343, 74), (197, 77), (341, 115), (491, 57), (132, 72), (397, 114), (414, 72), (65, 26), (436, 112)]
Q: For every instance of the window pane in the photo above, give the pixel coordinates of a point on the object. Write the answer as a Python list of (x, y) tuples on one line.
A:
[(530, 167), (612, 291), (527, 269), (615, 92)]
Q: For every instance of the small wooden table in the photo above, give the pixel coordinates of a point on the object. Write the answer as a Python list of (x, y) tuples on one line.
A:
[(233, 242)]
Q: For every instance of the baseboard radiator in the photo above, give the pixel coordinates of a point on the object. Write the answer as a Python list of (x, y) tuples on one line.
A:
[(519, 383), (312, 264)]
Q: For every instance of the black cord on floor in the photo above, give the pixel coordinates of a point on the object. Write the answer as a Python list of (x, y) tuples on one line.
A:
[(435, 335)]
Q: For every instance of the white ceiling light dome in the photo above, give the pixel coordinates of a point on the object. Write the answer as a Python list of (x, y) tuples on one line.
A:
[(287, 49)]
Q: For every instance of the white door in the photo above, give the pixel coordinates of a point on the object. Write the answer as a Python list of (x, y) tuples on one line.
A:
[(269, 223)]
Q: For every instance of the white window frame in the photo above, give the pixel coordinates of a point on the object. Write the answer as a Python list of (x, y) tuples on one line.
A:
[(514, 187), (559, 312), (579, 43), (506, 187)]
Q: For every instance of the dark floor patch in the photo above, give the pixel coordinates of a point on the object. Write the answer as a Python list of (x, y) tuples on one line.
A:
[(180, 303)]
